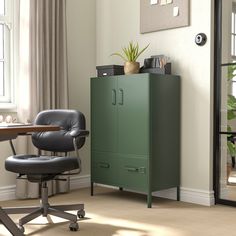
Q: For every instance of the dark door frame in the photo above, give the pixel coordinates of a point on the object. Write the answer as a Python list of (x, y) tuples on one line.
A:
[(217, 97)]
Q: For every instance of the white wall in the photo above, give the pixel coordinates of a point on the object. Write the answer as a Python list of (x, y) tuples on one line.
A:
[(118, 23), (81, 58)]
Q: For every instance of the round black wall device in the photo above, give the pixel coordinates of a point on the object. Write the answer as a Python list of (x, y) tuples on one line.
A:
[(200, 39)]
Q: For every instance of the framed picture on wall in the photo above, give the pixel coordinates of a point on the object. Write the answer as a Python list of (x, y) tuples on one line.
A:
[(158, 15)]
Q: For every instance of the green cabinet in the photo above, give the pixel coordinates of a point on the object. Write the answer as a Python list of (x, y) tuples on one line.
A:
[(135, 132)]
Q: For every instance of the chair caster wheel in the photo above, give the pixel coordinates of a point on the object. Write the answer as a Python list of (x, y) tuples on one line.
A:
[(74, 226), (81, 213), (21, 228)]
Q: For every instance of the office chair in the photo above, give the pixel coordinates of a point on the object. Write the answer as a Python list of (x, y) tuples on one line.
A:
[(41, 168)]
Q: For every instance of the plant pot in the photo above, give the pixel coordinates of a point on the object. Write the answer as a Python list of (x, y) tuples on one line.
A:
[(131, 67)]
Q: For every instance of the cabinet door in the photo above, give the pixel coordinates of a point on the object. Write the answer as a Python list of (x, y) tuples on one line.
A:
[(133, 115), (104, 114)]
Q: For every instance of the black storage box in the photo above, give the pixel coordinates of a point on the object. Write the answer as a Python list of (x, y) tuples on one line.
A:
[(109, 70)]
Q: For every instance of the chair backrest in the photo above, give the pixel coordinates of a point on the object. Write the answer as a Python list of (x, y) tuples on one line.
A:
[(58, 141)]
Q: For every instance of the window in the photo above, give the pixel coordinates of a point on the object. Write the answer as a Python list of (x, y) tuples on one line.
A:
[(233, 46), (6, 53), (233, 31)]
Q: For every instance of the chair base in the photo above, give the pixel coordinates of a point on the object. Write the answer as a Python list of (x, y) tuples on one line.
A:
[(52, 210), (46, 209), (9, 224)]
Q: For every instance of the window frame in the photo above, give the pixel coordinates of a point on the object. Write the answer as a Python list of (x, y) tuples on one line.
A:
[(8, 102), (233, 32)]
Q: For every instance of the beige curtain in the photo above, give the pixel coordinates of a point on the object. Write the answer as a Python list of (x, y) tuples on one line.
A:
[(43, 82)]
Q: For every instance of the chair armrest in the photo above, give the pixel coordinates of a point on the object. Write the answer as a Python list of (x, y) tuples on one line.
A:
[(79, 133)]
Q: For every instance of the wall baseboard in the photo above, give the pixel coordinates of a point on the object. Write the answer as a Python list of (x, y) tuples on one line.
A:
[(196, 196), (167, 193), (189, 195), (202, 197), (8, 193), (78, 181)]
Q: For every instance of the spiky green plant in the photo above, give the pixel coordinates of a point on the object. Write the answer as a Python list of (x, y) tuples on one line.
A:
[(131, 52)]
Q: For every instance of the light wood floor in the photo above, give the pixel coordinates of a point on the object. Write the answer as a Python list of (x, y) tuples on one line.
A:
[(111, 212)]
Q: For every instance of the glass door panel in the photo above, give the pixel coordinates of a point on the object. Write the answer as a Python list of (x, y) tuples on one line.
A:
[(228, 45), (227, 176), (226, 92)]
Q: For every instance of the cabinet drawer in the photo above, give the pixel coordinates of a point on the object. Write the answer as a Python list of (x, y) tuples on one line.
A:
[(134, 173), (104, 169)]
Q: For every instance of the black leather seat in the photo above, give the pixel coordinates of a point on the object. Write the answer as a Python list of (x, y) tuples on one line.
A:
[(41, 168)]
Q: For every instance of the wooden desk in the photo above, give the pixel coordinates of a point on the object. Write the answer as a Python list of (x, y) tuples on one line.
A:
[(9, 133), (27, 129)]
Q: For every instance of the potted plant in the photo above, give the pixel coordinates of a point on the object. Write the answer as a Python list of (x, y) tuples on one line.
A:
[(130, 55)]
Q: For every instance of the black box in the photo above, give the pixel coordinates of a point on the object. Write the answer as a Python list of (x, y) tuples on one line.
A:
[(109, 70)]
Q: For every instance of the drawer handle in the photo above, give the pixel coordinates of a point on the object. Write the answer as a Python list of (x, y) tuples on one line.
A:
[(136, 170), (131, 169), (104, 165)]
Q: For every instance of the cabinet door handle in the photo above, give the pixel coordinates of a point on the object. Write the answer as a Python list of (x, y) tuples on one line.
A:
[(104, 165), (113, 96), (121, 92)]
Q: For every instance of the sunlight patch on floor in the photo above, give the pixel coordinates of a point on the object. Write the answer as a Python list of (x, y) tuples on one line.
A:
[(133, 228), (121, 227)]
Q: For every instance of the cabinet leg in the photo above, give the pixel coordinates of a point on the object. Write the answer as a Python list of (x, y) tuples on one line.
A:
[(178, 193), (91, 188), (149, 200)]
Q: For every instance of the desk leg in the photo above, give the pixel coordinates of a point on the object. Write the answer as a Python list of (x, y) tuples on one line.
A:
[(9, 224)]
